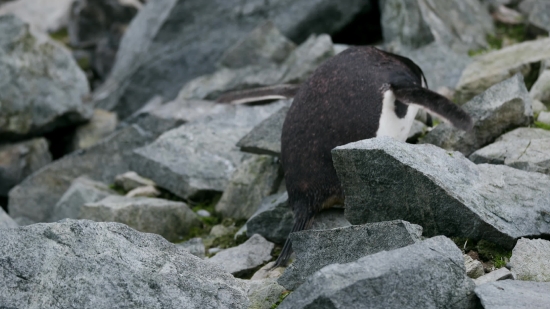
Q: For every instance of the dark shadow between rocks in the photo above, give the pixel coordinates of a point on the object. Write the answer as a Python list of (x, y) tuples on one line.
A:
[(364, 29)]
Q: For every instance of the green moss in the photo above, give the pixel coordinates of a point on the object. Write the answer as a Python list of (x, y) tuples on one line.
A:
[(61, 36), (117, 189), (83, 63), (280, 300), (494, 253), (541, 125), (503, 32)]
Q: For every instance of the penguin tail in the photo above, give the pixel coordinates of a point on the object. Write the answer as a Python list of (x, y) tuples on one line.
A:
[(301, 222), (283, 91)]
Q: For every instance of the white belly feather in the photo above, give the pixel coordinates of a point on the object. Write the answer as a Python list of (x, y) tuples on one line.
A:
[(391, 125)]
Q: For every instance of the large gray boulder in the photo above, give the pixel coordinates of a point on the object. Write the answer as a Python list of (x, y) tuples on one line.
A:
[(83, 264), (161, 50), (172, 220), (273, 219), (19, 160), (42, 86), (428, 274), (36, 197), (200, 155), (316, 249), (265, 138), (461, 25), (502, 107), (441, 191), (494, 67), (529, 260), (514, 294)]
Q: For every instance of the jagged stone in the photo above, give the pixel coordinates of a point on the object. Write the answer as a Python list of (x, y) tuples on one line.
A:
[(441, 191), (266, 272), (474, 268), (530, 260), (496, 275), (265, 138), (514, 294), (273, 220), (263, 294), (316, 249)]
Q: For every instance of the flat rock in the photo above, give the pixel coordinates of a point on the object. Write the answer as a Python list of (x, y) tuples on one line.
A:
[(84, 264), (530, 260), (46, 16), (131, 180), (147, 191), (19, 160), (201, 155), (524, 133), (263, 294), (265, 138), (494, 67), (330, 219), (160, 51), (273, 220), (102, 124), (514, 294), (502, 107), (267, 272), (195, 246), (42, 86), (255, 178), (38, 194), (544, 117), (5, 220), (428, 274), (82, 190), (172, 220), (316, 249), (244, 258), (441, 191), (496, 275)]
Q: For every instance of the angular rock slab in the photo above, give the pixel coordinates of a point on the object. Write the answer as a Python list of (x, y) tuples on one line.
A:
[(428, 274), (38, 194), (496, 275), (273, 220), (531, 260), (201, 155), (83, 264), (265, 138), (441, 191), (524, 133), (502, 107), (514, 294), (246, 257), (42, 86), (171, 220), (317, 249)]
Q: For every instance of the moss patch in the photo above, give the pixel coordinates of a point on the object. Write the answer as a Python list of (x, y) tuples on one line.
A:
[(511, 34), (61, 36), (280, 300), (488, 252), (541, 125)]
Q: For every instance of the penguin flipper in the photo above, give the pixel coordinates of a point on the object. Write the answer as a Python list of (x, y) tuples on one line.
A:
[(436, 104), (283, 91)]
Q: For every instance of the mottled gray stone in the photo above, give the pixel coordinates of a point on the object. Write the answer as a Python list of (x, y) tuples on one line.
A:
[(329, 219), (494, 67), (171, 220), (541, 88), (267, 272), (37, 195), (403, 24), (273, 220), (265, 138), (263, 294), (428, 274), (496, 275), (255, 178), (502, 107), (82, 190), (46, 16), (317, 249), (530, 260), (539, 16), (42, 87), (19, 160), (195, 246), (244, 258), (200, 155), (100, 126), (524, 133), (544, 117), (264, 45), (160, 51), (5, 220), (441, 191), (307, 57), (514, 294), (474, 268), (131, 180), (84, 264)]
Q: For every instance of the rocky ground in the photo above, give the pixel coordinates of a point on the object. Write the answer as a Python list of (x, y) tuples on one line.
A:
[(123, 184)]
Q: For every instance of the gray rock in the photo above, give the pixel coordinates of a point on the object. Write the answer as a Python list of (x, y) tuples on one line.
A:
[(525, 154), (512, 294), (329, 219), (441, 191), (317, 249), (539, 16), (82, 190), (544, 117), (265, 138), (244, 258), (496, 275), (171, 220), (273, 220), (83, 264), (263, 294), (530, 260), (494, 67), (160, 52), (131, 180), (37, 195), (42, 86), (429, 274), (46, 16), (541, 88), (195, 246), (264, 45), (502, 107), (19, 160), (203, 213), (201, 155), (524, 133), (268, 272), (255, 178), (6, 221), (474, 268), (307, 57), (538, 106), (460, 25), (147, 191), (417, 130), (102, 124)]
